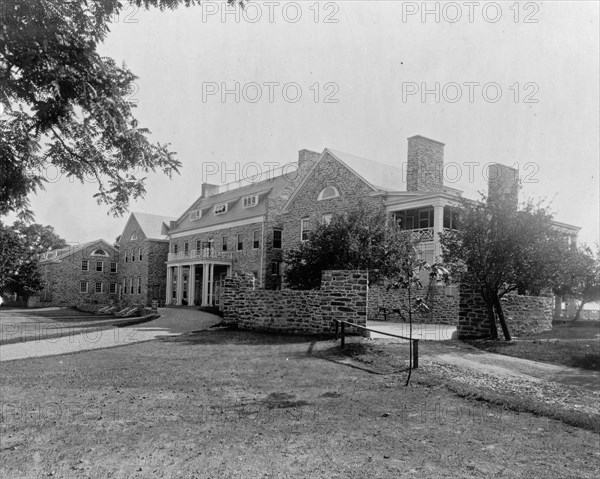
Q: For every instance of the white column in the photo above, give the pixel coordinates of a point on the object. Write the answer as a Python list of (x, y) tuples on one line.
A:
[(192, 285), (211, 284), (205, 284), (438, 227), (179, 284), (169, 288)]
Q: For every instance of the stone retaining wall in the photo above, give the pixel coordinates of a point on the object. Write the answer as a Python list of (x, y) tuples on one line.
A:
[(343, 295), (442, 302), (524, 315)]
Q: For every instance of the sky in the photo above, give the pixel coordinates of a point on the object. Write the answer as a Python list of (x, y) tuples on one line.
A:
[(514, 83)]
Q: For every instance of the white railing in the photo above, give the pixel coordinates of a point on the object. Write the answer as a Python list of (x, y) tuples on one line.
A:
[(421, 234), (205, 253), (267, 173)]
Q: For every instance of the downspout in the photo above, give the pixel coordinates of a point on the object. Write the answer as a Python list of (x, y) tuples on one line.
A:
[(262, 252)]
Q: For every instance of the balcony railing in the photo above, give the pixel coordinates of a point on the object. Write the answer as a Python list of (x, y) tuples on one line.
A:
[(421, 234), (206, 253)]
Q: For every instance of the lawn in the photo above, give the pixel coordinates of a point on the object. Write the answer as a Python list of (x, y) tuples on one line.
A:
[(569, 343), (227, 404)]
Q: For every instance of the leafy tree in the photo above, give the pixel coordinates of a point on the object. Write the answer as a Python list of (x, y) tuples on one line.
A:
[(360, 239), (65, 105), (20, 245), (498, 249), (585, 274)]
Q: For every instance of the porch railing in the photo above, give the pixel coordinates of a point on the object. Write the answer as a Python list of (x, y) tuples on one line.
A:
[(421, 234), (206, 253)]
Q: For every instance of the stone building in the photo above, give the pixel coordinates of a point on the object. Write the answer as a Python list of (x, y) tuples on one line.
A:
[(87, 273), (230, 228), (143, 251)]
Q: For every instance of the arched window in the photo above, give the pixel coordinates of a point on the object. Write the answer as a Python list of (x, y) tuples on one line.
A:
[(328, 192), (99, 252), (133, 236)]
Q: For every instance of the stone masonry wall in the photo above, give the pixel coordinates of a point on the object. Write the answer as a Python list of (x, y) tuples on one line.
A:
[(442, 302), (425, 164), (329, 172), (524, 314), (343, 295), (63, 278)]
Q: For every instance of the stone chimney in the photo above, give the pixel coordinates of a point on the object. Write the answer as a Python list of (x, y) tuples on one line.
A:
[(503, 181), (307, 158), (425, 167), (209, 190)]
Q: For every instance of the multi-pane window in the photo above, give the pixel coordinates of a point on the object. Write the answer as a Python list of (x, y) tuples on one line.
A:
[(328, 192), (198, 245), (112, 288), (240, 242), (85, 265), (256, 239), (126, 255), (277, 237), (100, 266), (224, 247), (113, 267), (130, 285), (275, 268), (250, 201), (124, 286), (83, 287), (186, 247), (304, 228), (450, 218), (195, 215), (175, 248), (140, 253), (99, 287), (426, 218), (220, 209), (139, 286)]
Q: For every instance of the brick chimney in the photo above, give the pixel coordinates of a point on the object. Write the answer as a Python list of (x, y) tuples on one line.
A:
[(503, 181), (307, 158), (425, 167), (209, 190)]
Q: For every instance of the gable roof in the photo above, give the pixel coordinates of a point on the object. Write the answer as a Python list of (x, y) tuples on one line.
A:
[(264, 189), (378, 175), (150, 224), (57, 255)]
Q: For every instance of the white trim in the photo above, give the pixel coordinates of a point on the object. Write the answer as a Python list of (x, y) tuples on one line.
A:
[(195, 214), (219, 206), (253, 200), (335, 195), (207, 229)]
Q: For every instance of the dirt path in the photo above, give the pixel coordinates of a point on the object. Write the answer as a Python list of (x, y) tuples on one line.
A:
[(502, 366)]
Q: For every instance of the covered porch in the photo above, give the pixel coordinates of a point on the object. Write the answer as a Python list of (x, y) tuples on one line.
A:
[(196, 283)]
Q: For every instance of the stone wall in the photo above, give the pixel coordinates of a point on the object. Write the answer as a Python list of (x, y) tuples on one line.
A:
[(343, 295), (442, 302), (425, 167), (524, 315), (62, 278), (328, 172)]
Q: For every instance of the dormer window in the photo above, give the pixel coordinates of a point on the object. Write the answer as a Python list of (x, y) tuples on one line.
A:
[(195, 215), (250, 201), (133, 236), (328, 192), (220, 209)]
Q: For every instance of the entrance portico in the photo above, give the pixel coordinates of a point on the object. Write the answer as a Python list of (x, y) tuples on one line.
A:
[(195, 282)]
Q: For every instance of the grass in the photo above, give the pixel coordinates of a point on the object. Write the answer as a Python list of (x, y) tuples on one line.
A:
[(237, 404), (575, 344)]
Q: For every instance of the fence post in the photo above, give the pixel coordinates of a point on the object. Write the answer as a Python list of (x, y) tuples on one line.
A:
[(343, 335), (337, 327), (415, 353)]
